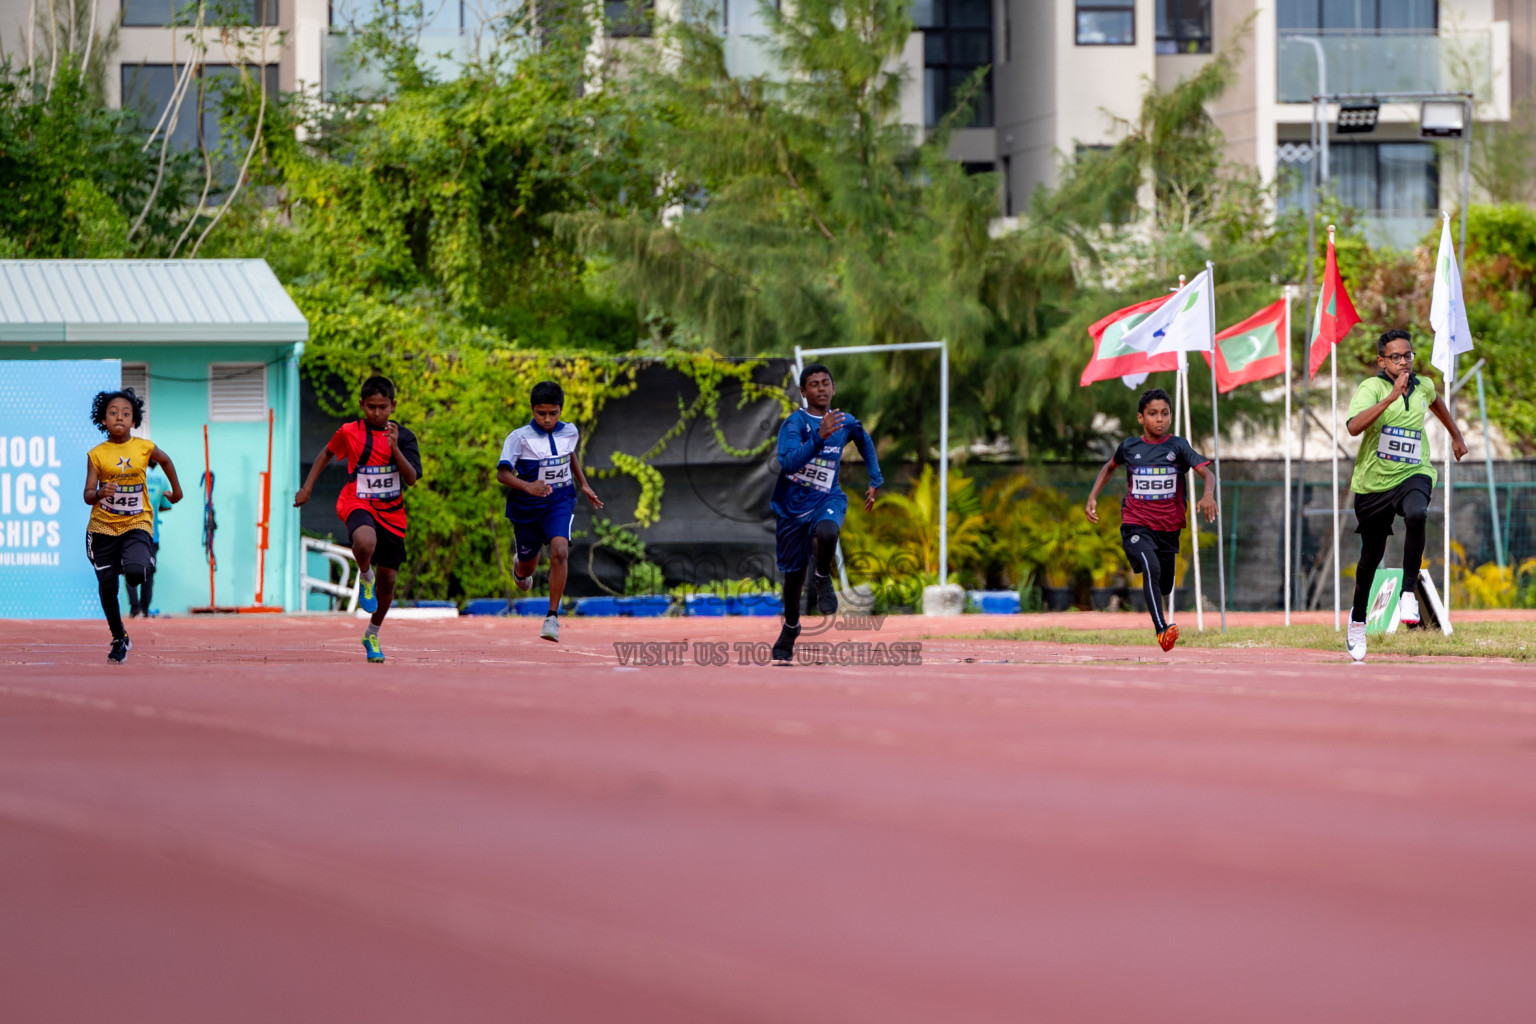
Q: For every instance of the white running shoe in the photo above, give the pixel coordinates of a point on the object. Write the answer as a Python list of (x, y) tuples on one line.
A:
[(1354, 640), (524, 583), (1408, 609), (551, 630)]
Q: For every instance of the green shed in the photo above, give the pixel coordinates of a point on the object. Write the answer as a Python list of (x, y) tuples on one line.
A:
[(205, 342)]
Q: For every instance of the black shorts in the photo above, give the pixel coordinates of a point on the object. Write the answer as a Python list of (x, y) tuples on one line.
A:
[(1374, 512), (389, 552), (112, 556)]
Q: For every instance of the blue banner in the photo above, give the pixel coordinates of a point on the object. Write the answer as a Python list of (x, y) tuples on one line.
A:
[(45, 433)]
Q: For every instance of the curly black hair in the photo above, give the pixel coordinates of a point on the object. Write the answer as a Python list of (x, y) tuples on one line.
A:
[(105, 398)]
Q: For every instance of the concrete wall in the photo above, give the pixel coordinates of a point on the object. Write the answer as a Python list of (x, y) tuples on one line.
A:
[(178, 409)]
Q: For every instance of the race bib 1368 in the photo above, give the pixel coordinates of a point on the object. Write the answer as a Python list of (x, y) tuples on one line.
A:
[(1154, 483)]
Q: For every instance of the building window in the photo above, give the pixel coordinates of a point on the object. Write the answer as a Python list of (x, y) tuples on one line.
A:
[(136, 376), (1183, 26), (957, 41), (438, 17), (628, 20), (1375, 177), (159, 13), (1106, 23), (1358, 15), (237, 392), (148, 88)]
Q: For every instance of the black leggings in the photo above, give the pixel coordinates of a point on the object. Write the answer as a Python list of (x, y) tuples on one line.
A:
[(1373, 545), (794, 582), (1152, 554), (130, 556)]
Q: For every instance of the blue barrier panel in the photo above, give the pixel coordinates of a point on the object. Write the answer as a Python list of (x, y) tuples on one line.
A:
[(45, 433), (531, 606), (996, 602), (758, 605), (708, 605), (597, 606), (485, 606), (648, 606)]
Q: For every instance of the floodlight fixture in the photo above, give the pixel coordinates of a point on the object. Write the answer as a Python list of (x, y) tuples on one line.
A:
[(1357, 118), (1442, 119)]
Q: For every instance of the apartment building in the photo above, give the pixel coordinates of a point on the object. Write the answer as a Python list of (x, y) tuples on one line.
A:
[(1061, 73)]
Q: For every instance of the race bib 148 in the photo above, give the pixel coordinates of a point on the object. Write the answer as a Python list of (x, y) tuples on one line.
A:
[(378, 483)]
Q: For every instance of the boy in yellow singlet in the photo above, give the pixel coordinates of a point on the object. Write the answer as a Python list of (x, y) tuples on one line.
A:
[(119, 536)]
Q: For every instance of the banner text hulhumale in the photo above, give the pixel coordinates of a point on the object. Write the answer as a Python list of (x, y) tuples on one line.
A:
[(45, 433)]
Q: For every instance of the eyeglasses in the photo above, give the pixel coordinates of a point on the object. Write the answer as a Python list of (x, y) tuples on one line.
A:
[(1401, 357)]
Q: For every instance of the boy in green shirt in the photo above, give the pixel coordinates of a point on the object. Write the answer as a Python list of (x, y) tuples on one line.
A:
[(1394, 475)]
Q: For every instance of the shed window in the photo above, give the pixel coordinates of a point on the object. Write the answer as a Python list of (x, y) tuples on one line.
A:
[(237, 392), (136, 376)]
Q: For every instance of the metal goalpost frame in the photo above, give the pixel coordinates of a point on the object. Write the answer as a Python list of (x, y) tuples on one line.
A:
[(905, 346), (1320, 128)]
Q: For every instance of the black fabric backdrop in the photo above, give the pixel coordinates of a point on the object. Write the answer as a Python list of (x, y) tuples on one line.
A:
[(715, 522)]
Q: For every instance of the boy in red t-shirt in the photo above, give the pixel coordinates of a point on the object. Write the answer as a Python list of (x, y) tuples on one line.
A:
[(382, 460), (1152, 515)]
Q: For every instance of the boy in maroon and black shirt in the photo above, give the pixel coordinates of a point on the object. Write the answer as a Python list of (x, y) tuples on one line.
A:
[(1153, 513), (382, 460)]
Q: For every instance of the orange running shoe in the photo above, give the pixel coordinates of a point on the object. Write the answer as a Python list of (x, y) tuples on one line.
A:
[(1168, 637)]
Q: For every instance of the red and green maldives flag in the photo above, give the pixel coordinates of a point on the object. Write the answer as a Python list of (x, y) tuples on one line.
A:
[(1334, 317), (1252, 350), (1111, 359)]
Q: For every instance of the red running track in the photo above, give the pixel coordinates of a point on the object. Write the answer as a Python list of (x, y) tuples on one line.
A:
[(247, 823)]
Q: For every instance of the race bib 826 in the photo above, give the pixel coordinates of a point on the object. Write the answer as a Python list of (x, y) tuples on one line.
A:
[(817, 474)]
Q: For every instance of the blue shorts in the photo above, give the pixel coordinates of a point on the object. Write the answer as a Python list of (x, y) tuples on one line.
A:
[(540, 528), (795, 538)]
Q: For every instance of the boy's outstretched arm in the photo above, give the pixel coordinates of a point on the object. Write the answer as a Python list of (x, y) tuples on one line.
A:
[(581, 479), (866, 445), (159, 458), (1091, 506), (321, 461), (1207, 504)]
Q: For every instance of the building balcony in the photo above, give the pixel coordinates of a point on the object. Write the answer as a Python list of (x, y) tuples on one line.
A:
[(1380, 62), (443, 53)]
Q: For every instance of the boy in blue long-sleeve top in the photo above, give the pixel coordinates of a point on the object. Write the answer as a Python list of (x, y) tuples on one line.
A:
[(807, 500)]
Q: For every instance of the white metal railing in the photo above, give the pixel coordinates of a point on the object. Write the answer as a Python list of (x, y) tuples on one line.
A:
[(335, 554)]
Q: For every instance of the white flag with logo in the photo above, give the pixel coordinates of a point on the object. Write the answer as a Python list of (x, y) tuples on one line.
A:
[(1447, 311), (1182, 324)]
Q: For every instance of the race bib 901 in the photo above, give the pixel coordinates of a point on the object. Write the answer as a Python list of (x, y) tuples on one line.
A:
[(817, 474), (1154, 483), (556, 472), (127, 500), (1399, 444), (378, 483)]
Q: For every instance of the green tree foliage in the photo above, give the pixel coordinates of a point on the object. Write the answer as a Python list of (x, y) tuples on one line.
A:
[(75, 172)]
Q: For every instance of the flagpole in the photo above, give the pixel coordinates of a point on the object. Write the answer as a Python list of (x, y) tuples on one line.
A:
[(1189, 487), (1178, 394), (1285, 564), (1221, 558), (1333, 374)]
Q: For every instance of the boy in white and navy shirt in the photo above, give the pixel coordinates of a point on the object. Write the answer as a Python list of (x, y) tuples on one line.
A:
[(540, 469)]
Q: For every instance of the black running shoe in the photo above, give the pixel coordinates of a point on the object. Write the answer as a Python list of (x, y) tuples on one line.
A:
[(826, 597), (120, 648), (784, 647)]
